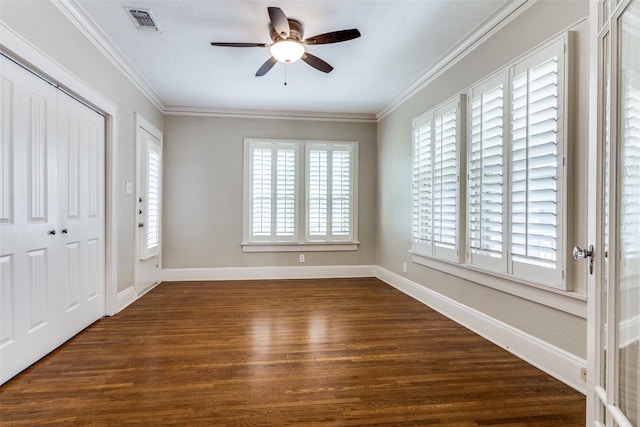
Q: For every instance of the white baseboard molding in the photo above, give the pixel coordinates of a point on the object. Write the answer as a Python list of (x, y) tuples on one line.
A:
[(125, 298), (261, 273), (555, 361)]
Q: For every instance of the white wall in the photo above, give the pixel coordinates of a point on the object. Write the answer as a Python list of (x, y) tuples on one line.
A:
[(537, 24), (43, 26), (203, 173)]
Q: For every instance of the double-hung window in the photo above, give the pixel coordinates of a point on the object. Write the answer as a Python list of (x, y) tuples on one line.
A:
[(300, 193), (487, 175), (537, 166), (436, 183), (515, 169), (514, 162)]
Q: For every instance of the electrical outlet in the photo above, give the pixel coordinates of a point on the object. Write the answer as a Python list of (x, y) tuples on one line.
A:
[(404, 267), (583, 374), (301, 258)]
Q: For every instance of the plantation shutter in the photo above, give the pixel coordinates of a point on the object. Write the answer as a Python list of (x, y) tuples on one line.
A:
[(445, 180), (422, 185), (486, 177), (272, 204), (536, 170), (330, 169), (629, 182), (436, 182), (151, 241)]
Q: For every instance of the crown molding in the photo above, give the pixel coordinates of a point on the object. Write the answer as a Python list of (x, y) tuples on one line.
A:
[(466, 45), (271, 114), (87, 26)]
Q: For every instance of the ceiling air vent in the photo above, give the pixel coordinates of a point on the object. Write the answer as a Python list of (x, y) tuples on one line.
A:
[(143, 19)]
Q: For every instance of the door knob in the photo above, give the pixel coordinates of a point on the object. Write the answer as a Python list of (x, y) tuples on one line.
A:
[(584, 253)]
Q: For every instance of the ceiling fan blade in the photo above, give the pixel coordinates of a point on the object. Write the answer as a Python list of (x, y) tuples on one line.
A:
[(317, 63), (224, 44), (334, 37), (266, 67), (279, 21)]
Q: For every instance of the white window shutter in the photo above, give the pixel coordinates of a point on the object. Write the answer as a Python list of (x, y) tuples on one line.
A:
[(435, 182), (152, 175), (261, 166), (272, 200), (318, 189), (536, 168), (422, 185), (330, 192), (285, 192), (486, 178), (445, 180), (341, 172)]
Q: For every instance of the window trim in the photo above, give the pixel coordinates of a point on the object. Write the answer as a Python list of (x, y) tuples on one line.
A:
[(300, 243), (432, 249), (461, 267)]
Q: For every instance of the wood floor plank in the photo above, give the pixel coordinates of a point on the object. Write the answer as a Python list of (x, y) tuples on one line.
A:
[(337, 352)]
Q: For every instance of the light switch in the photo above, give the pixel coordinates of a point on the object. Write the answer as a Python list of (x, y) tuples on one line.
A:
[(129, 187)]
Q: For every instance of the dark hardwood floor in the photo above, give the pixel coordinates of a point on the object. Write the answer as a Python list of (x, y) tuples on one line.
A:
[(334, 352)]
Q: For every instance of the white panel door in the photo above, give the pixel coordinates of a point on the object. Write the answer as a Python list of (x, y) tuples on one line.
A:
[(81, 215), (28, 211), (148, 184)]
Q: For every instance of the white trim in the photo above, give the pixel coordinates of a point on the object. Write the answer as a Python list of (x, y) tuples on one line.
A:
[(492, 25), (125, 298), (271, 114), (263, 273), (300, 247), (20, 48), (87, 26), (555, 361), (569, 302)]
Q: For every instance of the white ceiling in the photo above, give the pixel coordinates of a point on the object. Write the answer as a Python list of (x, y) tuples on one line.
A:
[(402, 41)]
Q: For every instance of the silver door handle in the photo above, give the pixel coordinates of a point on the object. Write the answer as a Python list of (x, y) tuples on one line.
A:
[(584, 253)]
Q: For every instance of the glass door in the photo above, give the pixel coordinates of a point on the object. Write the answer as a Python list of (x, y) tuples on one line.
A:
[(614, 288)]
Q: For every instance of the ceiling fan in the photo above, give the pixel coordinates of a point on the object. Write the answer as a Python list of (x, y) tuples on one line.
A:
[(288, 44)]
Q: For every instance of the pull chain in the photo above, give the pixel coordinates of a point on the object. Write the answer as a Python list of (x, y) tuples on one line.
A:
[(285, 74)]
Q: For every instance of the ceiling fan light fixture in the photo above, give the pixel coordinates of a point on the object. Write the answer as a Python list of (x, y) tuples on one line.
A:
[(287, 50)]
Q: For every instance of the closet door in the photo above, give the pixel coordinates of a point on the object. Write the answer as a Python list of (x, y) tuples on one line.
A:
[(28, 213), (81, 215)]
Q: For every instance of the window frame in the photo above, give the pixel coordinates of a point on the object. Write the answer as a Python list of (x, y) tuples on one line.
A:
[(301, 241), (466, 264), (431, 247)]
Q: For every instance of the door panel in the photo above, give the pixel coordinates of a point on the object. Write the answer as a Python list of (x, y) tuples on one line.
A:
[(29, 207), (614, 291), (81, 142)]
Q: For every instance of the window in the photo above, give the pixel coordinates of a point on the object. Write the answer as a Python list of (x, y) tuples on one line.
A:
[(436, 182), (329, 192), (536, 166), (300, 193), (515, 169), (150, 205), (486, 172)]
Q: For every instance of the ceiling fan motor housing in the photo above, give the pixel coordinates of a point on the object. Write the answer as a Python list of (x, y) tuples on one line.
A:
[(296, 31)]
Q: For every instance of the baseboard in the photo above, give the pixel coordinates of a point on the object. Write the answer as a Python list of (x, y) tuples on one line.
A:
[(261, 273), (126, 297), (555, 361)]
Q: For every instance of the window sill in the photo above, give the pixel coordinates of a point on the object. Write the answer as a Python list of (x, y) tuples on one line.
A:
[(300, 247), (567, 301)]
